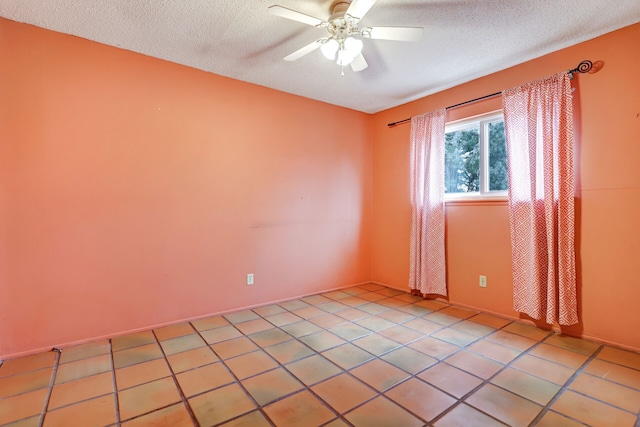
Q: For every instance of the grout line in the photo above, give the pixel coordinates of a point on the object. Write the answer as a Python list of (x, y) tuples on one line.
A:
[(183, 397), (52, 381), (116, 397)]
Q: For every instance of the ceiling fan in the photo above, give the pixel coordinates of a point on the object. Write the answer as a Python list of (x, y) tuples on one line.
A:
[(344, 42)]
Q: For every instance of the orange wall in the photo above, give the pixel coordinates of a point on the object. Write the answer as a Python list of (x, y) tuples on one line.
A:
[(136, 192), (607, 105)]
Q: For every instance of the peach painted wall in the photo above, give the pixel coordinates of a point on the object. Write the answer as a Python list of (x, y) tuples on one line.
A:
[(136, 192), (607, 124)]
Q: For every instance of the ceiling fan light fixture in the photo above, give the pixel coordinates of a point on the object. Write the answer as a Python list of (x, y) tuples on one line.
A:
[(349, 49), (329, 49)]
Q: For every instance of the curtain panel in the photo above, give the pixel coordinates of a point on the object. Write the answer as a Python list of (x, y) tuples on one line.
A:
[(427, 273), (539, 128)]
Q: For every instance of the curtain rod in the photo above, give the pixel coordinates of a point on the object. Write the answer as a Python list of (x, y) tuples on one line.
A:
[(584, 67)]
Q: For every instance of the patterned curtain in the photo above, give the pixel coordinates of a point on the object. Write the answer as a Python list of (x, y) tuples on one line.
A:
[(427, 271), (539, 128)]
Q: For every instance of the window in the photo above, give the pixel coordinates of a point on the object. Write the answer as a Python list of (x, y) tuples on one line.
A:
[(475, 158)]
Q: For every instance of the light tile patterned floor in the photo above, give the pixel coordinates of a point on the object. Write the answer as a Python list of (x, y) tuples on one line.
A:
[(363, 356)]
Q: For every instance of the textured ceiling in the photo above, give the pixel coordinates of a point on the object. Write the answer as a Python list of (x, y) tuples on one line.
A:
[(463, 39)]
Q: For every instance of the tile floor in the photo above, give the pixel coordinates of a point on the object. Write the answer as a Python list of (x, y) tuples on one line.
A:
[(363, 356)]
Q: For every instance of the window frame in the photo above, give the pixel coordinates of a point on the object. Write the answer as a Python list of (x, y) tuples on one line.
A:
[(480, 120)]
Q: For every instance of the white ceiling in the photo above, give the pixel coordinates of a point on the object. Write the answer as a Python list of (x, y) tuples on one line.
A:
[(463, 39)]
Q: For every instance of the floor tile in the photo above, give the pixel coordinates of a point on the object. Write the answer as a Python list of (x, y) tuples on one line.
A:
[(376, 344), (462, 313), (321, 341), (527, 386), (490, 320), (354, 290), (191, 359), (353, 301), (434, 347), (240, 316), (442, 318), (83, 351), (141, 373), (559, 355), (319, 299), (494, 351), (473, 328), (253, 326), (388, 292), (252, 419), (347, 356), (209, 323), (82, 389), (295, 304), (379, 374), (343, 392), (592, 412), (372, 296), (132, 340), (453, 336), (542, 368), (616, 373), (25, 382), (28, 363), (234, 347), (553, 419), (270, 386), (527, 331), (507, 407), (328, 320), (461, 414), (173, 331), (270, 337), (309, 312), (300, 329), (352, 314), (392, 302), (147, 397), (132, 356), (301, 409), (409, 360), (573, 344), (373, 308), (608, 392), (250, 364), (204, 379), (423, 326), (174, 416), (183, 343), (223, 333), (220, 405), (370, 287), (26, 422), (269, 310), (96, 412), (396, 316), (452, 380), (22, 406), (312, 370), (432, 304), (508, 339), (414, 310), (620, 357), (283, 319), (375, 323), (289, 351), (349, 331), (83, 368), (381, 412), (408, 297), (474, 364), (420, 398), (400, 334)]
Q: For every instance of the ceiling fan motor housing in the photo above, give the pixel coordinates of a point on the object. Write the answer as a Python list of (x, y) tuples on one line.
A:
[(340, 26)]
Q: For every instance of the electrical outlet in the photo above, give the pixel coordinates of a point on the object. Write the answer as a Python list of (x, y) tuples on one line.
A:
[(483, 281), (250, 279)]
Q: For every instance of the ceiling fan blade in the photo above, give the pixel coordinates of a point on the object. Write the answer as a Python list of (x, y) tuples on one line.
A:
[(408, 34), (359, 63), (359, 8), (303, 51), (294, 15)]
